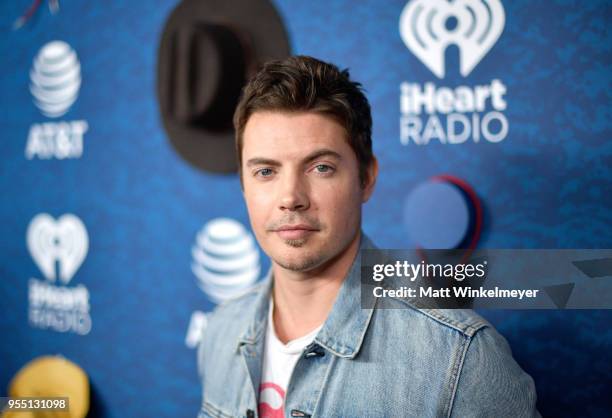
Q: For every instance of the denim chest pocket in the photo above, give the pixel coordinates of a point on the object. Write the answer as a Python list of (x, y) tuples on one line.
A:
[(211, 411)]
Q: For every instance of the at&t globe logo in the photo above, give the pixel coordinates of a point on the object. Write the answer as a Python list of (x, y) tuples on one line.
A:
[(55, 78), (225, 263), (55, 81), (225, 259)]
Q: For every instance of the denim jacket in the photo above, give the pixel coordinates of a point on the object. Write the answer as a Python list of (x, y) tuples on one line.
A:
[(366, 362)]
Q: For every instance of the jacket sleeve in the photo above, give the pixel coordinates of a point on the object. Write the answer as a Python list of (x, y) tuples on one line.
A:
[(491, 383)]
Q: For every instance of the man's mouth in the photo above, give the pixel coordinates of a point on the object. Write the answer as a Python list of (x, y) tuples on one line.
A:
[(298, 231)]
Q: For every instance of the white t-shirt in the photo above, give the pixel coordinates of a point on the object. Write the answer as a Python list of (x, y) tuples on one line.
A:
[(278, 362)]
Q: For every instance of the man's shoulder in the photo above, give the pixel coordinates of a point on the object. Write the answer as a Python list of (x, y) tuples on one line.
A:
[(465, 321), (236, 308), (230, 317)]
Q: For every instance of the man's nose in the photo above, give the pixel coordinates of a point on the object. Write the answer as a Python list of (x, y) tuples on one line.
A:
[(293, 193)]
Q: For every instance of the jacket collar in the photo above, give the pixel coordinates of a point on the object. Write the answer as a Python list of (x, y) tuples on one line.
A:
[(345, 327)]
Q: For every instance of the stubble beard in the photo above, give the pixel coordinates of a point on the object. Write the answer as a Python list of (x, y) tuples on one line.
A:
[(306, 263), (295, 243)]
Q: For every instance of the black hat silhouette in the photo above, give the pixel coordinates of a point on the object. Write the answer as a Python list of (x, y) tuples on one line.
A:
[(208, 50)]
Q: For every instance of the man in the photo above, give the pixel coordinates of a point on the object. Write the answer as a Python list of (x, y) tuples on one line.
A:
[(299, 344)]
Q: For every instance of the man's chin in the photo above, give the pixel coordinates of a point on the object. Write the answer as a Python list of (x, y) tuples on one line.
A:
[(295, 243), (302, 262), (298, 265)]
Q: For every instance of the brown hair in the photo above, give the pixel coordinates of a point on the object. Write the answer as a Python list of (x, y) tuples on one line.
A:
[(302, 83)]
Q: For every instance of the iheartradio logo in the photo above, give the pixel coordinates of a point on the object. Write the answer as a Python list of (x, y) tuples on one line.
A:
[(63, 242), (58, 246), (428, 27)]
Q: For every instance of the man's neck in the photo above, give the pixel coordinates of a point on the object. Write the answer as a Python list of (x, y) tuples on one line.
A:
[(303, 300)]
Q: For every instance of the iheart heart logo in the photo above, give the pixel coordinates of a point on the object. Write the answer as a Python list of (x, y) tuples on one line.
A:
[(427, 27), (63, 241)]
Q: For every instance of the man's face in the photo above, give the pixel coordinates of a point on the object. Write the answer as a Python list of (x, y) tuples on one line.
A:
[(301, 187)]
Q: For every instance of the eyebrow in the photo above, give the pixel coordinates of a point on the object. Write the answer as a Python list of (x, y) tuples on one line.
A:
[(313, 156)]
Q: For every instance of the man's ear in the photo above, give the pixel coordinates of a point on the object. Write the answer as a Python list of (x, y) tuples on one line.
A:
[(370, 180)]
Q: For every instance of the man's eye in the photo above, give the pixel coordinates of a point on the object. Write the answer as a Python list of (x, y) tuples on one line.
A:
[(264, 172), (323, 168)]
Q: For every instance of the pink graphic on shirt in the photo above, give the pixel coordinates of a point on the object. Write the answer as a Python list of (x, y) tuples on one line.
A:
[(271, 398)]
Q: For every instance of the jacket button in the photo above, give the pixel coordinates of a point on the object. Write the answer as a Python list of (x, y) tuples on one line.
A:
[(315, 351), (250, 413)]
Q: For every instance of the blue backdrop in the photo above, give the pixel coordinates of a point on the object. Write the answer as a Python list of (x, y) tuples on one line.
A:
[(546, 184)]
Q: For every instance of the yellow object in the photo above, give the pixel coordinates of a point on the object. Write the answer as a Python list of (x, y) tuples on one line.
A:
[(50, 376)]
